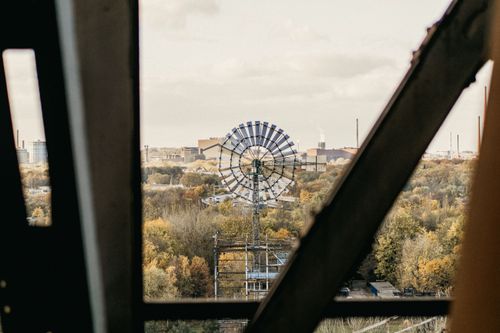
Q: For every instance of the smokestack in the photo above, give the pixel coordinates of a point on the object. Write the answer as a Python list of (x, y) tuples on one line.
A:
[(357, 133), (485, 100), (147, 153), (458, 145), (17, 139), (23, 144), (479, 118), (451, 145), (478, 133)]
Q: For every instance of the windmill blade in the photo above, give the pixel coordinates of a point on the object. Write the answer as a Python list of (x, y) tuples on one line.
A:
[(270, 190), (276, 136), (239, 137), (289, 174), (230, 179), (245, 136), (236, 141), (269, 135), (250, 132), (258, 133), (228, 148), (282, 171), (287, 153), (281, 141), (265, 128)]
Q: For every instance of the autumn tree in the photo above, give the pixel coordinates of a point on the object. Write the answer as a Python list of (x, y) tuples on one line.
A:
[(159, 178), (389, 243), (200, 277)]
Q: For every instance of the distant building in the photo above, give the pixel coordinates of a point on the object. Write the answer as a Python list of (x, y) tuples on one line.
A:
[(39, 152), (332, 154), (169, 154), (213, 150), (446, 154), (23, 157), (383, 289), (190, 154)]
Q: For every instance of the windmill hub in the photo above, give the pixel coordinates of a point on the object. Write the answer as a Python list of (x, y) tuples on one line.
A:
[(256, 166)]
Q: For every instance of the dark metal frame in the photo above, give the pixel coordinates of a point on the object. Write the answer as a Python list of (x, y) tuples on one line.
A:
[(40, 265), (445, 64)]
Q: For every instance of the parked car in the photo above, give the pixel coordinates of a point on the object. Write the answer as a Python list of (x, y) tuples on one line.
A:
[(344, 292)]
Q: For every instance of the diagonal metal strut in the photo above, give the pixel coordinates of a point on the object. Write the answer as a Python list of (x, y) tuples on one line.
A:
[(446, 63)]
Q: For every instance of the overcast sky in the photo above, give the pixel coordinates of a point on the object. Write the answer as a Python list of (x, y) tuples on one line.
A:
[(311, 67)]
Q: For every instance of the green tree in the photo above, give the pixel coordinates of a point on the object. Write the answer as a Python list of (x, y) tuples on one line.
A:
[(192, 179), (159, 284), (159, 178)]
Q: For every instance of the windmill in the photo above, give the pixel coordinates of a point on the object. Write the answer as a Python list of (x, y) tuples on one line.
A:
[(258, 163)]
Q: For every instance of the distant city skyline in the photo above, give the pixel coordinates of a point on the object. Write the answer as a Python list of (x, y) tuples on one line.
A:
[(312, 69)]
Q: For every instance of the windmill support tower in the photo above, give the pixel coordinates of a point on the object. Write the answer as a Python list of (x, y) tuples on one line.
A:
[(256, 201)]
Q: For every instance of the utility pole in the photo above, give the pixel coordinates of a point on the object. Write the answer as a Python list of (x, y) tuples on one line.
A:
[(458, 146)]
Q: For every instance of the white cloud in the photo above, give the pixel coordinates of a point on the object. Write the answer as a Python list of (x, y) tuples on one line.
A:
[(174, 14), (295, 32), (301, 66)]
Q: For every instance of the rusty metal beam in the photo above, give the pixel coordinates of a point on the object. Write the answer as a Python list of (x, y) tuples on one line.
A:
[(477, 308), (446, 63), (204, 310), (99, 47)]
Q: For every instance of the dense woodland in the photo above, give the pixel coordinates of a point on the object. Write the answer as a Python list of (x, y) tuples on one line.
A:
[(417, 246)]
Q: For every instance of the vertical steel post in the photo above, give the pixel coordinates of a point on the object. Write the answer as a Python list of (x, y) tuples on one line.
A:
[(267, 264), (246, 268), (256, 166), (216, 265)]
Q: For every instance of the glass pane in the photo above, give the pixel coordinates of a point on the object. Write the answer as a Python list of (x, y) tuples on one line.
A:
[(26, 112), (221, 212)]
